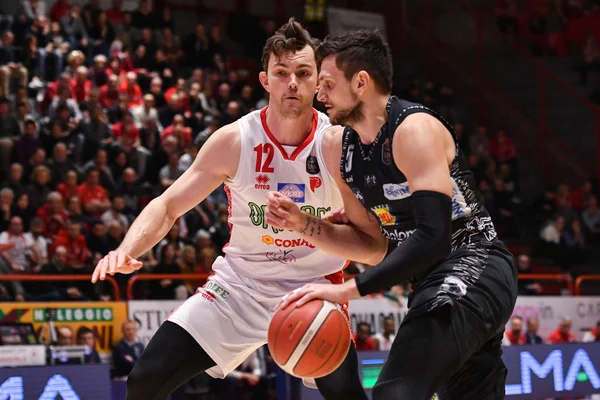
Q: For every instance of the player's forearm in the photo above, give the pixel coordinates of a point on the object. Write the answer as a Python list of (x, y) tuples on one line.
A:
[(153, 223), (342, 240)]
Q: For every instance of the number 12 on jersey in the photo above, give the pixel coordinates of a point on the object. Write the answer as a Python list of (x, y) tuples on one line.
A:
[(264, 148)]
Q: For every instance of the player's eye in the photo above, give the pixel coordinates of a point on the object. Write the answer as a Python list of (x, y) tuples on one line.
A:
[(280, 73)]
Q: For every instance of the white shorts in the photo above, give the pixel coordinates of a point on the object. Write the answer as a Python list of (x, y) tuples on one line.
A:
[(229, 316)]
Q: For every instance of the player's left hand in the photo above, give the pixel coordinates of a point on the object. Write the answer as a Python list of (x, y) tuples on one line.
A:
[(337, 294), (282, 212)]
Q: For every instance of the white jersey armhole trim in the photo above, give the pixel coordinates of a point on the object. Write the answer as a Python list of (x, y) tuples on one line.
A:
[(319, 150), (233, 181)]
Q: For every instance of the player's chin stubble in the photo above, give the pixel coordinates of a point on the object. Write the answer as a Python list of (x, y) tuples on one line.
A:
[(349, 116)]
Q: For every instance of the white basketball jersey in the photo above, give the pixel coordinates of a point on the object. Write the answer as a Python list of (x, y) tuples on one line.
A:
[(257, 250)]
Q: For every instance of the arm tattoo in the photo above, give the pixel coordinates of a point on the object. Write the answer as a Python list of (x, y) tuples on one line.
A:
[(313, 225)]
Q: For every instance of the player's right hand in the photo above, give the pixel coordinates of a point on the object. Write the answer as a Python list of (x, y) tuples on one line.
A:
[(113, 262), (282, 212)]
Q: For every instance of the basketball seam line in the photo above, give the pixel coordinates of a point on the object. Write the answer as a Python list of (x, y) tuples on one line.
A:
[(300, 341), (337, 344), (300, 349)]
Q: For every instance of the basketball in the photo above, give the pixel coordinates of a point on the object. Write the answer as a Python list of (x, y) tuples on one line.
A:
[(309, 341)]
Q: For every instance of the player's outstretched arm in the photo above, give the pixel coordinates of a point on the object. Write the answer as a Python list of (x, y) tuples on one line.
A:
[(216, 161), (359, 240)]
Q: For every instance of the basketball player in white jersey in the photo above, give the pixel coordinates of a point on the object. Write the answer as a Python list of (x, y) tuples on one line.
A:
[(277, 148)]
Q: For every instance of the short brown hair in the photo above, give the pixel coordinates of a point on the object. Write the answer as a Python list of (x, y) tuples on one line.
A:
[(361, 50), (291, 37)]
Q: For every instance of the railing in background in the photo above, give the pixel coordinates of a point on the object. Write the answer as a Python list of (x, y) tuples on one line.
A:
[(550, 277), (159, 277), (579, 282), (458, 43), (62, 278)]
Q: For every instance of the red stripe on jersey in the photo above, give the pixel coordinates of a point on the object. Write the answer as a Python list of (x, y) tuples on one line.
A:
[(306, 142), (229, 207)]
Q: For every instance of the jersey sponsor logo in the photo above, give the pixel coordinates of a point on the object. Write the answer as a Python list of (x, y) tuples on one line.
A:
[(398, 236), (285, 243), (312, 165), (294, 191), (383, 213), (396, 191), (257, 214), (359, 195), (315, 183), (262, 182), (213, 288), (386, 152), (281, 256), (370, 180)]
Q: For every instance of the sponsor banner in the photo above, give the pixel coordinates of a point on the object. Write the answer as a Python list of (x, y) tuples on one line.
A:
[(22, 355), (534, 372), (72, 382), (341, 20), (103, 318), (149, 315), (584, 311), (373, 310)]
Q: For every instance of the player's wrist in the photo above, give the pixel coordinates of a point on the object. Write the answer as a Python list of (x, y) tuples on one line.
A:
[(351, 290)]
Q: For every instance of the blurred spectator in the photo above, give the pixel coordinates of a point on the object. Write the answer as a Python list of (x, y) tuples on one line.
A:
[(115, 212), (68, 187), (562, 334), (383, 340), (527, 288), (170, 172), (96, 132), (168, 288), (593, 335), (86, 337), (127, 352), (15, 179), (10, 67), (591, 218), (250, 378), (532, 336), (36, 235), (38, 190), (479, 144), (94, 198), (53, 215), (362, 338), (60, 164), (515, 336), (74, 241), (146, 113), (590, 58)]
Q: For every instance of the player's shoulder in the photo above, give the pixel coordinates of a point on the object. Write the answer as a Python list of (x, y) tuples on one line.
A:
[(227, 135), (332, 138)]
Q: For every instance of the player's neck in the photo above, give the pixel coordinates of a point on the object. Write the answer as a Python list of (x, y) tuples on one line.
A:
[(289, 131), (374, 116)]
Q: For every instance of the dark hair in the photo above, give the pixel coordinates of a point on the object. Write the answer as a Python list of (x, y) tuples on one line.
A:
[(361, 324), (291, 37), (360, 50), (517, 317), (84, 330)]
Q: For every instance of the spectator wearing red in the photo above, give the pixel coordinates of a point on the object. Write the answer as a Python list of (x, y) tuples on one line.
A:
[(115, 14), (515, 335), (580, 195), (362, 339), (68, 187), (179, 131), (562, 334), (502, 147), (74, 241), (53, 215), (52, 91), (80, 85), (109, 93), (94, 198), (60, 9), (179, 89), (133, 90), (126, 129), (115, 68), (593, 335)]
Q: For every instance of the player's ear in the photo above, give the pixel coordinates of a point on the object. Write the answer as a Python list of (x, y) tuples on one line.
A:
[(264, 81), (362, 81)]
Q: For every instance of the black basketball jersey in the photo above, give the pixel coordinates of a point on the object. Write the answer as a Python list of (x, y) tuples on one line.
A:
[(382, 188)]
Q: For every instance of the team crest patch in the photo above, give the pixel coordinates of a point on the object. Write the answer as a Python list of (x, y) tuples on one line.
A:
[(386, 152), (312, 165), (295, 191), (383, 213)]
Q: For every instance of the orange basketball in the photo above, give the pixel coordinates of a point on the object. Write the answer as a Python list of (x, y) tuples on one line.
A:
[(309, 341)]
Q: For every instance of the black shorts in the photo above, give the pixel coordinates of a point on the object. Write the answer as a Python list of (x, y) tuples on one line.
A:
[(450, 341)]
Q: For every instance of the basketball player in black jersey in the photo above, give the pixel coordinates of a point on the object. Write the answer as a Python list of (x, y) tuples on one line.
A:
[(401, 161)]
